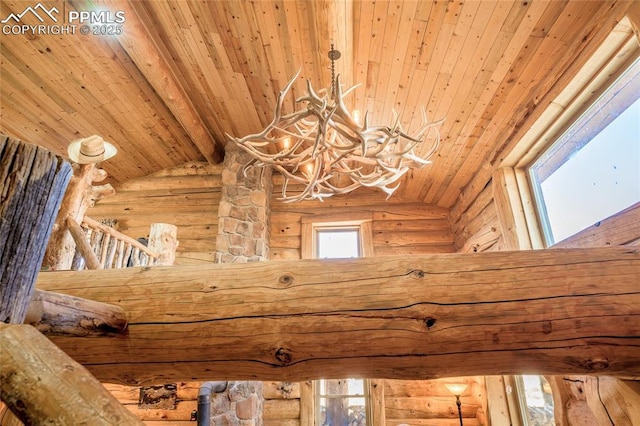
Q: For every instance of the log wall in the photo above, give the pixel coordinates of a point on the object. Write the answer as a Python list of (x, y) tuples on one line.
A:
[(186, 196), (399, 227), (477, 228), (186, 401), (430, 403)]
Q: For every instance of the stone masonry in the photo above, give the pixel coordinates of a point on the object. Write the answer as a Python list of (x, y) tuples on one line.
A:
[(243, 236), (243, 214)]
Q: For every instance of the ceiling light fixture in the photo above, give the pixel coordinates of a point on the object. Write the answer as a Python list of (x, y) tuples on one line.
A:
[(322, 149)]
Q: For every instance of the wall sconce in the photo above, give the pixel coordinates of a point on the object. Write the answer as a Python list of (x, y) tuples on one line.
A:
[(457, 389)]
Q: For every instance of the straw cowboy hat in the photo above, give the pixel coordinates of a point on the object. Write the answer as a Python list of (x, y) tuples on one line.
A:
[(90, 150)]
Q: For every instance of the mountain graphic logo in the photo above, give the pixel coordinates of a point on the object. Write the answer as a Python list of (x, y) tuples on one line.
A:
[(34, 11)]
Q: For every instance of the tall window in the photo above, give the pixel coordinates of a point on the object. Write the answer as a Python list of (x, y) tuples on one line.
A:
[(339, 402), (592, 171), (535, 400)]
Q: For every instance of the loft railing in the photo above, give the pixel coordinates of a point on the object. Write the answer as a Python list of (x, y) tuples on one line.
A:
[(99, 246)]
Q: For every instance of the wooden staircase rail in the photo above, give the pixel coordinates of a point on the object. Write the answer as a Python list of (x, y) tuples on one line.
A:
[(116, 246)]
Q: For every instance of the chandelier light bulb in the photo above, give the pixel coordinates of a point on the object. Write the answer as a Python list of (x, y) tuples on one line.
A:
[(286, 142), (356, 116)]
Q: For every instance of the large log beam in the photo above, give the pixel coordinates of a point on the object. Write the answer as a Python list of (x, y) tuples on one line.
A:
[(564, 311), (43, 386)]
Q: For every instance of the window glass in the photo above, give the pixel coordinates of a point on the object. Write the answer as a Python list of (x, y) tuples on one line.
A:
[(341, 402), (338, 243), (539, 401), (593, 170)]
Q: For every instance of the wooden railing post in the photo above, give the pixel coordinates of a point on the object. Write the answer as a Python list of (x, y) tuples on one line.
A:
[(163, 240), (80, 195)]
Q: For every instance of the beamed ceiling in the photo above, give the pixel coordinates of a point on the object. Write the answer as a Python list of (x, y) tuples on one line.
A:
[(184, 73)]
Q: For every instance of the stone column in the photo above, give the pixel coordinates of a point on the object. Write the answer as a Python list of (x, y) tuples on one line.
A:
[(243, 214), (243, 236)]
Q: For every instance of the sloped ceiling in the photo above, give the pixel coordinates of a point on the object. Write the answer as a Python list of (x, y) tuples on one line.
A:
[(184, 73)]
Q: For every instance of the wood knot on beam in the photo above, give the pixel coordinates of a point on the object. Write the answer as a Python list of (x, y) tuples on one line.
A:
[(286, 280), (429, 322), (283, 356), (591, 364), (597, 364), (417, 273)]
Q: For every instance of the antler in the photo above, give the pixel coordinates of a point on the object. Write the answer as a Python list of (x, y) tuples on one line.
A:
[(329, 143)]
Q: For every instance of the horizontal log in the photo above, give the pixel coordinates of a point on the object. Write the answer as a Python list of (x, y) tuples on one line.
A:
[(404, 211), (619, 229), (428, 407), (142, 206), (281, 409), (193, 258), (283, 253), (411, 225), (157, 194), (431, 422), (402, 239), (561, 311), (61, 314), (281, 390), (415, 388), (414, 249), (281, 422), (181, 412), (172, 182), (185, 391)]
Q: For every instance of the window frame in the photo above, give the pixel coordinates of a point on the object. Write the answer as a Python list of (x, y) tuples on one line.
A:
[(317, 396), (311, 226), (608, 92), (618, 51)]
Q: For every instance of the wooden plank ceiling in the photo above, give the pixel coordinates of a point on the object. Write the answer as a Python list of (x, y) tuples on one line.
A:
[(184, 73)]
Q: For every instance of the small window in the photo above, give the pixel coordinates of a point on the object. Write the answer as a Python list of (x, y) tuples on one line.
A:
[(592, 171), (341, 402), (337, 243), (328, 237)]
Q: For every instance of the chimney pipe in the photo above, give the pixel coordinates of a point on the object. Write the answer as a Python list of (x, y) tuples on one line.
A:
[(204, 400)]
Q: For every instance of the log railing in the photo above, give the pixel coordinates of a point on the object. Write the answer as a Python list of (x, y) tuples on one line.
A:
[(112, 249)]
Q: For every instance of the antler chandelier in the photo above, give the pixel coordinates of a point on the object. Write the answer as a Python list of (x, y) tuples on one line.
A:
[(323, 149)]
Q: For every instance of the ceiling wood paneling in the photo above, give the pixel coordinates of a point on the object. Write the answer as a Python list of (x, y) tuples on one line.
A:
[(185, 73)]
